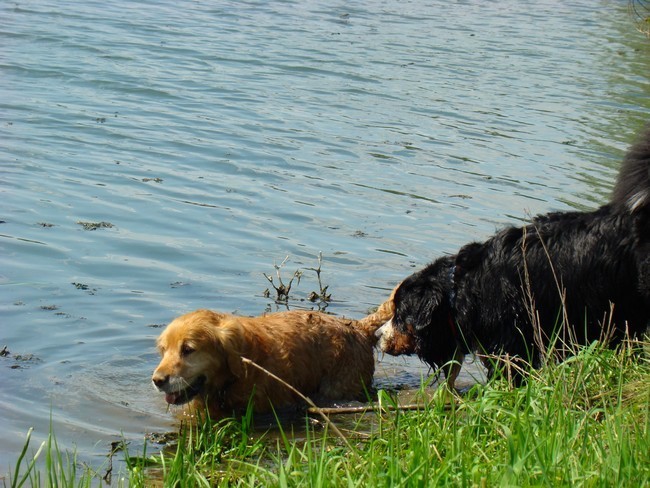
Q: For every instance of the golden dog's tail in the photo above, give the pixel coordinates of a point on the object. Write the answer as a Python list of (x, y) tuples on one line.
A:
[(372, 322)]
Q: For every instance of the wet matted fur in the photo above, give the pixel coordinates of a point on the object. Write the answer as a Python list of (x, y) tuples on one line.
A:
[(322, 356), (570, 277)]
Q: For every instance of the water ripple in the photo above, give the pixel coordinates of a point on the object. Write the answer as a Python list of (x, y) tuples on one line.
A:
[(216, 139)]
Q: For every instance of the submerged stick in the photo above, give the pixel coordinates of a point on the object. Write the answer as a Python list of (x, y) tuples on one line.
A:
[(368, 408)]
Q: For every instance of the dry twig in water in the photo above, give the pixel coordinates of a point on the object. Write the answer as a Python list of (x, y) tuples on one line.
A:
[(368, 408), (281, 290), (322, 294)]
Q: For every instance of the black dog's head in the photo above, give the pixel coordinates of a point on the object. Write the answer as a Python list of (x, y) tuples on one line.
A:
[(423, 322)]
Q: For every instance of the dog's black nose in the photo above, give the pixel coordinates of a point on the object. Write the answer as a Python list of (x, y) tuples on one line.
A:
[(160, 381)]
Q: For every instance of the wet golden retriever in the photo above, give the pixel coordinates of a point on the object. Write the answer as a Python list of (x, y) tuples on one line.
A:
[(322, 356)]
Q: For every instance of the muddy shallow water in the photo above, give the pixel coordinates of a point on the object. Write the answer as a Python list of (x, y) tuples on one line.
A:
[(158, 159)]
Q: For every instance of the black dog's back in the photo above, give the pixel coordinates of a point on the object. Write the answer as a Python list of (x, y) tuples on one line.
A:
[(574, 274), (571, 276), (567, 275)]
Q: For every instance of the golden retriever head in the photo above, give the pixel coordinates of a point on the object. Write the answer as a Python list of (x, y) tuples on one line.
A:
[(199, 356)]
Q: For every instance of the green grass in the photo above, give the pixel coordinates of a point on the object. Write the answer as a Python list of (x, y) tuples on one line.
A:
[(60, 468), (584, 422)]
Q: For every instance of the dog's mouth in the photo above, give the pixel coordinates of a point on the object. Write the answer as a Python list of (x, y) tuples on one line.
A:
[(185, 395)]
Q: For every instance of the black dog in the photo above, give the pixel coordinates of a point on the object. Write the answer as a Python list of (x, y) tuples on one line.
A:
[(566, 278)]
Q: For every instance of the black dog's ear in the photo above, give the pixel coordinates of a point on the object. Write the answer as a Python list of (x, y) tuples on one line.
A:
[(423, 299), (426, 309), (470, 256), (429, 310)]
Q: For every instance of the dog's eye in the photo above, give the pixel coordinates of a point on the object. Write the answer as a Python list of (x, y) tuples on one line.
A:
[(187, 350)]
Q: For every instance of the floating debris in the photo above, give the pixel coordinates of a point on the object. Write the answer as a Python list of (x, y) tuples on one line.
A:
[(84, 287), (95, 225)]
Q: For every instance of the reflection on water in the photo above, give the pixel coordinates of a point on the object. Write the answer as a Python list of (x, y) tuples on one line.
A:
[(156, 160), (407, 373)]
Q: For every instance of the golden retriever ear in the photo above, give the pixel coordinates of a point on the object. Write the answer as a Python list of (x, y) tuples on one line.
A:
[(232, 342), (235, 363)]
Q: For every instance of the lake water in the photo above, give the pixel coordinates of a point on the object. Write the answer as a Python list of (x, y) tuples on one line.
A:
[(213, 139)]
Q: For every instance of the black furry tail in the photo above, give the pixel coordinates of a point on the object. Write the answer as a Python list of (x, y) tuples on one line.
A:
[(632, 190)]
